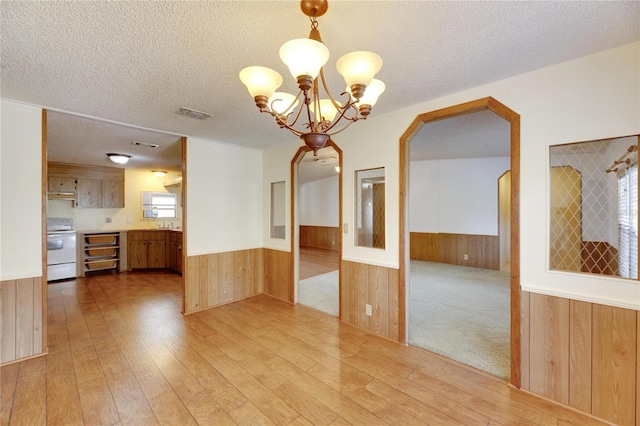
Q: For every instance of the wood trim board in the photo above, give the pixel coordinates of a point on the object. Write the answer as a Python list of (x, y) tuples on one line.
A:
[(466, 108)]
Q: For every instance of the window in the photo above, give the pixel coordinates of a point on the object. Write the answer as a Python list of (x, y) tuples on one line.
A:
[(628, 223), (158, 204)]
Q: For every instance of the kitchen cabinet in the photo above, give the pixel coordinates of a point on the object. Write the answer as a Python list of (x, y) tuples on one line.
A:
[(174, 259), (89, 186), (61, 184), (146, 249), (112, 194), (89, 193)]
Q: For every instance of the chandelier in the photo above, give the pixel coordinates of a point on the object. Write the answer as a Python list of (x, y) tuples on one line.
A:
[(307, 115)]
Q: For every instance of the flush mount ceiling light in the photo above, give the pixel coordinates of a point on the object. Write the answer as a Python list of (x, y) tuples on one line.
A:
[(118, 158), (316, 119), (159, 173)]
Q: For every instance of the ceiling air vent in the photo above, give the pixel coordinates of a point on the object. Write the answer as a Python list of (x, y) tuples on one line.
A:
[(148, 145), (192, 113)]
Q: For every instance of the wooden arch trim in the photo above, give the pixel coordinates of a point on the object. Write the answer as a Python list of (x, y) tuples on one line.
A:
[(513, 118), (295, 162)]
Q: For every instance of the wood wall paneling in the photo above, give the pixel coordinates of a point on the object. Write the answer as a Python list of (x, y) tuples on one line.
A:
[(580, 355), (525, 336), (482, 250), (21, 310), (583, 355), (549, 347), (377, 286), (219, 278), (424, 246), (326, 237), (277, 277), (379, 296), (614, 364), (212, 283)]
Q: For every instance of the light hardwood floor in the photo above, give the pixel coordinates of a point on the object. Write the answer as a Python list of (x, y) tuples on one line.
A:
[(120, 352), (317, 261)]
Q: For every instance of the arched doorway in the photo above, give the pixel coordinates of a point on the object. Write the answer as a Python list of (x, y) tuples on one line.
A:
[(514, 121), (295, 218)]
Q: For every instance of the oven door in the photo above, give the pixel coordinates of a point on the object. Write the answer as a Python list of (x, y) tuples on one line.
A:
[(61, 248)]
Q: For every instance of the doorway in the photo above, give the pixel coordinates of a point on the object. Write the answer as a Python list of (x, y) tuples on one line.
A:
[(316, 237), (514, 286), (72, 142)]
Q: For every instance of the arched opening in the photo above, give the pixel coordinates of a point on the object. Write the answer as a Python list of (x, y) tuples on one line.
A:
[(334, 236), (422, 119)]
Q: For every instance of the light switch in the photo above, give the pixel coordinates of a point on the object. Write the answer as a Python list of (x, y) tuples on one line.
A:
[(345, 228)]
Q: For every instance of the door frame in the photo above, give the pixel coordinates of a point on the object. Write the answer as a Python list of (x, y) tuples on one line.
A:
[(513, 118), (295, 228)]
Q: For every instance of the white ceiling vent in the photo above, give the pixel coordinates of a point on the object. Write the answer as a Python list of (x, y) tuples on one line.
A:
[(148, 145), (192, 113)]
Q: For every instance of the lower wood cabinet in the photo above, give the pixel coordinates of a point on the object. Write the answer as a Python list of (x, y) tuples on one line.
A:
[(147, 249), (174, 257)]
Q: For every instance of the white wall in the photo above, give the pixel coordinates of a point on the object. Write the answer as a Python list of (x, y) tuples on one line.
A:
[(224, 197), (21, 188), (590, 98), (319, 202), (277, 168), (129, 217), (456, 196)]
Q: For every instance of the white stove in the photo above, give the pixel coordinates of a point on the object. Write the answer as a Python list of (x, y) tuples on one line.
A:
[(61, 249)]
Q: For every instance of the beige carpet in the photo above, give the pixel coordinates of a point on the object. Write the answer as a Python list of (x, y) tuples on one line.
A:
[(462, 313), (320, 292)]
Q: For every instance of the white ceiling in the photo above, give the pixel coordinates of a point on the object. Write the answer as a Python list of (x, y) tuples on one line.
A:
[(481, 134), (137, 62)]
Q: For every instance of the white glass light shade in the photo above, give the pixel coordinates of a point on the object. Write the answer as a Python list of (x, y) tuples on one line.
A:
[(304, 56), (359, 67), (281, 101), (159, 173), (118, 158), (327, 109), (260, 81), (371, 94)]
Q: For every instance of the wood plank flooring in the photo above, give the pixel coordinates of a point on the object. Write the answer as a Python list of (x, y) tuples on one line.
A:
[(316, 261), (121, 353)]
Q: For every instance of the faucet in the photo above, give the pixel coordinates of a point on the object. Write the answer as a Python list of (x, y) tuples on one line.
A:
[(161, 226)]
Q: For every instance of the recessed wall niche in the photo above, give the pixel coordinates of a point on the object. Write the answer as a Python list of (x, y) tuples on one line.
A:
[(593, 198)]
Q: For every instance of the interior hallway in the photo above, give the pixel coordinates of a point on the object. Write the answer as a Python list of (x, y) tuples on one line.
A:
[(317, 261), (120, 352)]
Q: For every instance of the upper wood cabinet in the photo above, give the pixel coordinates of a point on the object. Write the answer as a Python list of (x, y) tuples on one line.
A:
[(112, 193), (89, 193), (61, 184), (94, 187)]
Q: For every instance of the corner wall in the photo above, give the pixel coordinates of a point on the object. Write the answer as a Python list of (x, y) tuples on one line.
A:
[(21, 268), (224, 256)]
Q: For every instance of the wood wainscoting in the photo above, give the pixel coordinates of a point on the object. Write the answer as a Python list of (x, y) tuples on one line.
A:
[(219, 278), (482, 250), (278, 281), (21, 310), (326, 237), (584, 355), (362, 285)]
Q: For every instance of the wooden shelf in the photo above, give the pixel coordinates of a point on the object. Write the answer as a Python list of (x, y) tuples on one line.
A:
[(101, 251)]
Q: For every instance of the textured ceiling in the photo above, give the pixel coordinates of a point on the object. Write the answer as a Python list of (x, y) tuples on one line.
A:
[(138, 62), (481, 134)]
